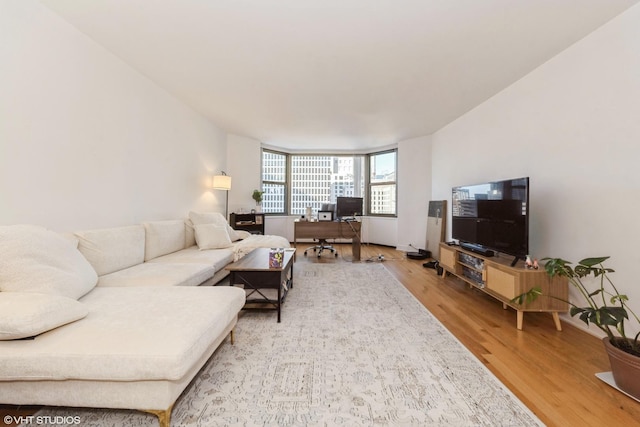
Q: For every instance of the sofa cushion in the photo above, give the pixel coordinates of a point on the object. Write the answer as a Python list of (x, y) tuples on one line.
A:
[(158, 274), (217, 258), (26, 314), (163, 237), (212, 236), (130, 334), (34, 259), (112, 249)]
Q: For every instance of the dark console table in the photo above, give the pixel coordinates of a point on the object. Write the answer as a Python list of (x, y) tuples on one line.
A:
[(252, 222)]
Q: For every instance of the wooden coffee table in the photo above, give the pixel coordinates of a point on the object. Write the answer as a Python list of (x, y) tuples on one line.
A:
[(263, 285)]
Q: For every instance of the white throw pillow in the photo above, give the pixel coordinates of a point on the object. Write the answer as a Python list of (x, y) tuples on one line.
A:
[(34, 259), (26, 314), (207, 218), (234, 234), (212, 236), (214, 218), (163, 237), (242, 234)]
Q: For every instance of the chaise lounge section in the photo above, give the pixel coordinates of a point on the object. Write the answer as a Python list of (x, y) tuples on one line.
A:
[(137, 348)]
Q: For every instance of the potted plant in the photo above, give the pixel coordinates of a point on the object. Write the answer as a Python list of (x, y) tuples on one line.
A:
[(607, 309), (257, 196)]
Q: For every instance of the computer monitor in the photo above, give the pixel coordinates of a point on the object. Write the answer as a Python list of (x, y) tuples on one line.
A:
[(347, 207)]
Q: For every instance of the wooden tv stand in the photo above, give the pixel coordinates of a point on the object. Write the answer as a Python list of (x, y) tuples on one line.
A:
[(496, 277)]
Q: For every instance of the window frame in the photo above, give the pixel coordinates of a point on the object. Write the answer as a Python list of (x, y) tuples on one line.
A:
[(285, 184), (367, 185), (370, 185)]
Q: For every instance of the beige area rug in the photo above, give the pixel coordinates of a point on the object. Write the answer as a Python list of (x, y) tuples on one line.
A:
[(354, 348)]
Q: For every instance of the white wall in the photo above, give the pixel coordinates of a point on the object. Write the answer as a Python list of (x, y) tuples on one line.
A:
[(86, 141), (244, 165), (414, 193), (572, 126), (379, 230)]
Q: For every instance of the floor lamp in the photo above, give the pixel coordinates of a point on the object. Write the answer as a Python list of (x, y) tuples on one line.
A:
[(223, 182)]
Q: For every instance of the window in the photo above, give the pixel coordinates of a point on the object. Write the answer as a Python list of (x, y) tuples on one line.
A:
[(293, 182), (382, 183), (274, 182), (320, 179)]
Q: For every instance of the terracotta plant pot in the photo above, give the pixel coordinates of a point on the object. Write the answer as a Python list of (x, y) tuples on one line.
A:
[(625, 368)]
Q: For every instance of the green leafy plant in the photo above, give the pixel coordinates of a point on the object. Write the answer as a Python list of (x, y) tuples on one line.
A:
[(257, 196), (605, 307)]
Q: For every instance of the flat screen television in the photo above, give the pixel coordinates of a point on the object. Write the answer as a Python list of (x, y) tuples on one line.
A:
[(492, 216), (347, 207)]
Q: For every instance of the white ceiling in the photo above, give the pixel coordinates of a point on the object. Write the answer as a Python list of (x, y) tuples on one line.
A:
[(335, 74)]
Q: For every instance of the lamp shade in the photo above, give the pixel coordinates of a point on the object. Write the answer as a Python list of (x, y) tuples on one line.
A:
[(221, 182)]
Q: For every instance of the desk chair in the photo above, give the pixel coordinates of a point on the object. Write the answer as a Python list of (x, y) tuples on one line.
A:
[(323, 245)]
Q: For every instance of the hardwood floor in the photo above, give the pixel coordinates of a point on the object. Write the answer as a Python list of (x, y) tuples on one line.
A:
[(551, 372)]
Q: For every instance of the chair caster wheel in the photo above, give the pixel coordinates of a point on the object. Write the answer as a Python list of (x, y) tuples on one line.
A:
[(335, 255), (305, 253)]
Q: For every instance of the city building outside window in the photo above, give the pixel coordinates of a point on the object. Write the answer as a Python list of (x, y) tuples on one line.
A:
[(320, 179), (293, 182)]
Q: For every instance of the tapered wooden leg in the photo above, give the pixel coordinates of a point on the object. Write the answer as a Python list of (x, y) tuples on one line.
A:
[(556, 320), (520, 319), (231, 337), (164, 417)]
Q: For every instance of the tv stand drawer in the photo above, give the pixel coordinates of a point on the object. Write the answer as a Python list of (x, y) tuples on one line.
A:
[(501, 282)]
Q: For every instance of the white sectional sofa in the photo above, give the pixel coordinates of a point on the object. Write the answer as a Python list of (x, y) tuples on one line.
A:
[(113, 318)]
